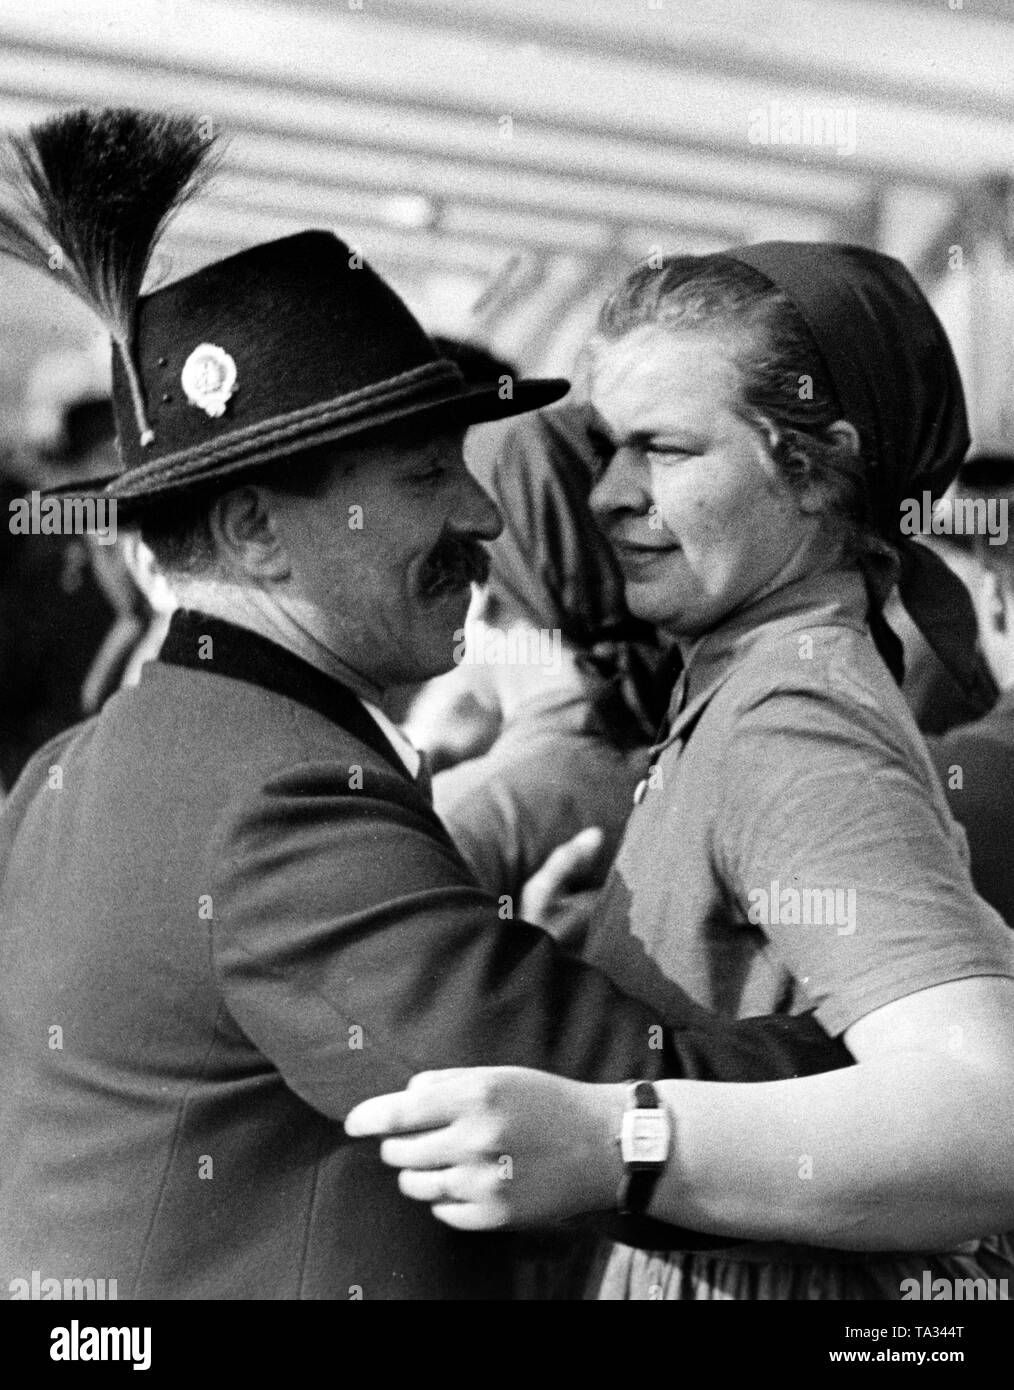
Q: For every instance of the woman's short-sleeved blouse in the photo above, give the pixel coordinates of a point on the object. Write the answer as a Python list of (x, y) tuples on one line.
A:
[(793, 848)]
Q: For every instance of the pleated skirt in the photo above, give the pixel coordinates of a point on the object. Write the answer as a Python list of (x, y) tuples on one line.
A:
[(620, 1272)]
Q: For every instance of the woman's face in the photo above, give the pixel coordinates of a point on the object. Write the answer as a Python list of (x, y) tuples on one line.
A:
[(700, 520)]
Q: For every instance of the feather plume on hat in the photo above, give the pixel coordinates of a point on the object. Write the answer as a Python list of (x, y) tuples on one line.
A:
[(87, 194)]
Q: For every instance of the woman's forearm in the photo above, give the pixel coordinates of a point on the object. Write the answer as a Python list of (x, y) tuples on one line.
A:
[(912, 1151), (912, 1148)]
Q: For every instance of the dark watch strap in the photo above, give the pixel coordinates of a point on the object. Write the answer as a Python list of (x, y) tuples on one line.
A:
[(636, 1188), (645, 1096)]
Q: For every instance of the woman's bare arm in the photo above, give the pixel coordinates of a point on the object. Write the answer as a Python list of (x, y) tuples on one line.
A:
[(913, 1148)]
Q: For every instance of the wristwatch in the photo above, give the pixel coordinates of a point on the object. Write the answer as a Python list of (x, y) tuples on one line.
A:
[(645, 1140)]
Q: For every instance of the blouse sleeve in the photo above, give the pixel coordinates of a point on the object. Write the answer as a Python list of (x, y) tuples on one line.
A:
[(835, 840)]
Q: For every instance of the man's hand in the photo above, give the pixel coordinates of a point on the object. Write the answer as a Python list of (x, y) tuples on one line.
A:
[(490, 1147), (571, 867)]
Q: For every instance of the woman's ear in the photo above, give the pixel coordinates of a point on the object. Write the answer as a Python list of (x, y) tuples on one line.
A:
[(844, 434), (817, 496)]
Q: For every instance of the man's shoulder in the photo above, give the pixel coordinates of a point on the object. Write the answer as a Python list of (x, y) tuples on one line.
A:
[(203, 738), (234, 721)]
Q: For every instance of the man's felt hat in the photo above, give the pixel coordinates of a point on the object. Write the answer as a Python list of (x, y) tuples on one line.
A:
[(248, 362), (283, 347)]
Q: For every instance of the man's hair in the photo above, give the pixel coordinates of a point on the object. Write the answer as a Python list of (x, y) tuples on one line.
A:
[(179, 536), (786, 391)]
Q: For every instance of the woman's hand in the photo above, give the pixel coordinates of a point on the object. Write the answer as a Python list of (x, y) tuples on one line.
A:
[(490, 1147)]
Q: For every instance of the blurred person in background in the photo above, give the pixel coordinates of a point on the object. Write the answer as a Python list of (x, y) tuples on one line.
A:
[(161, 603), (569, 673), (936, 698), (975, 760), (69, 612)]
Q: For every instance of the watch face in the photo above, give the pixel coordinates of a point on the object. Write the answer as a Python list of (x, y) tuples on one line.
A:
[(644, 1137)]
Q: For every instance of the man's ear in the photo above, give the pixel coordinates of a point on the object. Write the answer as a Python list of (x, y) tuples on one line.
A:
[(246, 536)]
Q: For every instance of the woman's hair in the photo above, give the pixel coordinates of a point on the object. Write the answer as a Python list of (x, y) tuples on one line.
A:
[(787, 393)]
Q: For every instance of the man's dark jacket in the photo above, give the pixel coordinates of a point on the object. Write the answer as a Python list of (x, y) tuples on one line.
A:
[(227, 915)]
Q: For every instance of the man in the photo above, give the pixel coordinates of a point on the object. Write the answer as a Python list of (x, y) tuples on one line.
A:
[(65, 600), (227, 909), (976, 760)]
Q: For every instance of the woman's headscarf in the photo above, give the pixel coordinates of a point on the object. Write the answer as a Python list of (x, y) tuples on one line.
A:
[(896, 380)]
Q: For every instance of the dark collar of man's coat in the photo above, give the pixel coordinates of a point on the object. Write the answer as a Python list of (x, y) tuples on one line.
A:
[(243, 655)]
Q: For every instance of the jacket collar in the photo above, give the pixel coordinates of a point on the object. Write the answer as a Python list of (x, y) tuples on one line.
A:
[(244, 655)]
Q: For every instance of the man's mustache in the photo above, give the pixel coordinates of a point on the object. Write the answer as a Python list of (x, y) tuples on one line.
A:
[(454, 563)]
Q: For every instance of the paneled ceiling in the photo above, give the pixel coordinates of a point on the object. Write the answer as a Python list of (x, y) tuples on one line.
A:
[(502, 161)]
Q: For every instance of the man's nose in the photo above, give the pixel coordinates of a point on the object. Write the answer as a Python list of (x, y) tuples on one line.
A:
[(624, 486), (476, 513)]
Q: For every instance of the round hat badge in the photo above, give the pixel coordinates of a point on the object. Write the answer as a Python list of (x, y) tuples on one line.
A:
[(209, 378)]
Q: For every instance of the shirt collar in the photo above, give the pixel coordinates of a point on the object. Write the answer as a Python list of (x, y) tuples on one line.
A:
[(831, 598), (405, 750)]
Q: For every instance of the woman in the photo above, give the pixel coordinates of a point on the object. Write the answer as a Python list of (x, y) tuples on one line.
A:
[(765, 413)]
